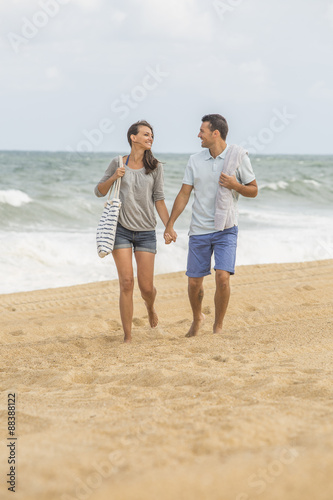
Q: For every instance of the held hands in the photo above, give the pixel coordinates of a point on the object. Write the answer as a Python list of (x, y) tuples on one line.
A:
[(228, 181), (170, 235), (167, 238)]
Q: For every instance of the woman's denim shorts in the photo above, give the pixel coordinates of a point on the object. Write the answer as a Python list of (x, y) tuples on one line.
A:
[(141, 241)]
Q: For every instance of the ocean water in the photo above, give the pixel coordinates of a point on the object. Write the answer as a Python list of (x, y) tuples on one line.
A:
[(49, 214)]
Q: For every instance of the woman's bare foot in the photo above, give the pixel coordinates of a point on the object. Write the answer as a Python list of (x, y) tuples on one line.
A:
[(195, 327), (152, 317), (127, 339)]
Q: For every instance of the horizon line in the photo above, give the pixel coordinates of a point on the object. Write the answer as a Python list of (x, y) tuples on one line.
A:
[(155, 152)]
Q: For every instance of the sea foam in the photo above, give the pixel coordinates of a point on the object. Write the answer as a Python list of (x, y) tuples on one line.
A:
[(14, 197), (49, 215)]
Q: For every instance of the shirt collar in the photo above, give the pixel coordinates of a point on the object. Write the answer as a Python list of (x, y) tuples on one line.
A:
[(222, 155)]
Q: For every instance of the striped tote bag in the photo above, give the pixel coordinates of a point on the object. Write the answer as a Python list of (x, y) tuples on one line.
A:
[(106, 229)]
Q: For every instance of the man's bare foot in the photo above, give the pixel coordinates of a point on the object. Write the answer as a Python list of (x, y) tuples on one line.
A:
[(152, 316), (195, 327), (127, 339), (217, 328)]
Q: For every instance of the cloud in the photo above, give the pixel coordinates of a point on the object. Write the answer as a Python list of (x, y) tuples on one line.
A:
[(92, 51), (320, 90), (119, 16), (33, 5), (174, 20), (330, 14), (254, 72), (238, 41), (88, 5)]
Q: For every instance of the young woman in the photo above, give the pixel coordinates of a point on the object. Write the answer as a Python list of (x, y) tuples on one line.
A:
[(141, 189)]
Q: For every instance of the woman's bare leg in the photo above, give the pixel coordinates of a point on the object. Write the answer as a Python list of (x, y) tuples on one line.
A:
[(123, 260), (145, 272)]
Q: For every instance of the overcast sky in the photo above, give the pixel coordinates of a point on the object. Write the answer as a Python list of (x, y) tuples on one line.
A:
[(75, 74)]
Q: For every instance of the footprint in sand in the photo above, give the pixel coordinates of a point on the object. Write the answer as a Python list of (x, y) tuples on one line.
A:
[(138, 322), (16, 333), (80, 344), (182, 321), (115, 325), (308, 287), (220, 359)]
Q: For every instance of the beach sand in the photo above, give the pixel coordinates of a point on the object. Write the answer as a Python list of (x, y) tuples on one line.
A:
[(243, 415)]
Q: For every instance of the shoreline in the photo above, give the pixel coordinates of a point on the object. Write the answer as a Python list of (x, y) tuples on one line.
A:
[(177, 274), (246, 413)]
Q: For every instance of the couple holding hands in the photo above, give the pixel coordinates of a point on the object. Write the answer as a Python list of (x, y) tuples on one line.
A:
[(217, 175)]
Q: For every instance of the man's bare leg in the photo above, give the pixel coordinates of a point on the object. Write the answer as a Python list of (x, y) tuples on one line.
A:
[(221, 299), (195, 294)]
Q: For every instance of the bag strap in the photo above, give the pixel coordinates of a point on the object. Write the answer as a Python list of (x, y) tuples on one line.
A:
[(116, 185)]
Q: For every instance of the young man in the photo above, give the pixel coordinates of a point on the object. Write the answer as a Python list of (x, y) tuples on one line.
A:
[(207, 174)]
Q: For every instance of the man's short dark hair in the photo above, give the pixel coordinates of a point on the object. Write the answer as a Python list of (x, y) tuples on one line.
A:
[(217, 122)]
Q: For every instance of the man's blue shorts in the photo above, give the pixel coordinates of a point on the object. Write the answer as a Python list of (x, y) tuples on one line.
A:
[(202, 246)]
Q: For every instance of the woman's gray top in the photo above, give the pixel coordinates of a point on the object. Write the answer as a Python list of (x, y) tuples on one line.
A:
[(138, 193)]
